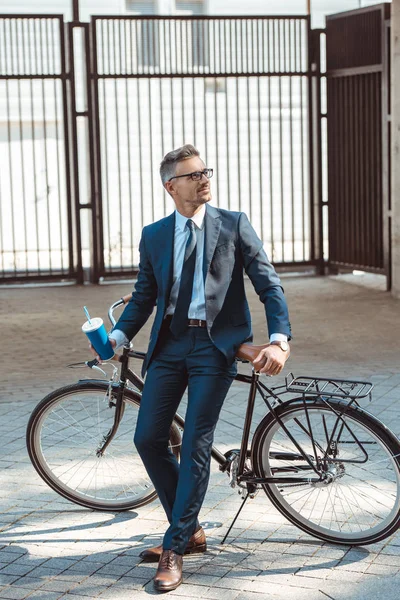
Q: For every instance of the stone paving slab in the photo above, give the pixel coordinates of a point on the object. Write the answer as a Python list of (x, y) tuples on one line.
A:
[(50, 548)]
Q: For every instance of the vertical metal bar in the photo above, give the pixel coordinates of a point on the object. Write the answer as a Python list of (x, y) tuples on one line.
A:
[(386, 219), (182, 82), (331, 108), (117, 40), (238, 142), (291, 146), (75, 10), (97, 190), (67, 157), (364, 207), (171, 85), (216, 114), (310, 53), (128, 143), (228, 52), (46, 162), (162, 109), (350, 185), (355, 206), (260, 145), (151, 149), (22, 156), (302, 138), (228, 174), (53, 44), (204, 93), (371, 159), (368, 144), (106, 48), (318, 144), (249, 152), (194, 111), (139, 130), (222, 55), (74, 151), (261, 195), (271, 188), (281, 144), (9, 140), (2, 250), (379, 206)]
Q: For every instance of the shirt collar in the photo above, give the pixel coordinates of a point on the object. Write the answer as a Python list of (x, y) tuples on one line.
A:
[(198, 219)]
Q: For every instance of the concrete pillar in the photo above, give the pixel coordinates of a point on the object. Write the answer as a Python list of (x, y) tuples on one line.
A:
[(395, 149)]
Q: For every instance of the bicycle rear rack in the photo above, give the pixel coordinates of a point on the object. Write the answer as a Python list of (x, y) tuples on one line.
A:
[(325, 386)]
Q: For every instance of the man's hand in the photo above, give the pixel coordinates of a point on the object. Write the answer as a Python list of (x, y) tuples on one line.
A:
[(271, 360), (93, 351)]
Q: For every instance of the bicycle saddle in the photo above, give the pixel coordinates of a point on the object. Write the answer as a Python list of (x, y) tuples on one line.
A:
[(250, 352)]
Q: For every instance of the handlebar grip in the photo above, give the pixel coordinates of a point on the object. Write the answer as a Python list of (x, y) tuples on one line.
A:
[(92, 363), (125, 299)]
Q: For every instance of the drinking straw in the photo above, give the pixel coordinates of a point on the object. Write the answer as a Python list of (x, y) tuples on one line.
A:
[(87, 315)]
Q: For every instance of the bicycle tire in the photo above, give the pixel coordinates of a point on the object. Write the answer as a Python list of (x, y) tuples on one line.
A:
[(37, 441), (352, 510)]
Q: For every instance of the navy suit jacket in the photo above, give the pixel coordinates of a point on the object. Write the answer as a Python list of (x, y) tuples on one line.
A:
[(231, 246)]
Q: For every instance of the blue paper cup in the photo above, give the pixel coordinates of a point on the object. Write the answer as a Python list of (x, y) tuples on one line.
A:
[(97, 334)]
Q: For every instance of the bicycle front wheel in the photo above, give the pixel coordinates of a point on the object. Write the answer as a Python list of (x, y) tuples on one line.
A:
[(64, 434), (357, 459)]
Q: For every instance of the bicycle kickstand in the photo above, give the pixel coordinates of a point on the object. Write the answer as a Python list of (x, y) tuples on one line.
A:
[(236, 516)]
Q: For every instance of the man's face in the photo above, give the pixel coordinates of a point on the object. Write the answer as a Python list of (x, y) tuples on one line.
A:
[(184, 189)]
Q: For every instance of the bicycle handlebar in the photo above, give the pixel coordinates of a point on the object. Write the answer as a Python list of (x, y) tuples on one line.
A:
[(123, 300)]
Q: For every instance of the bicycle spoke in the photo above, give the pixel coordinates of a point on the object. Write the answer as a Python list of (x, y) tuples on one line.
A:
[(360, 481), (70, 434)]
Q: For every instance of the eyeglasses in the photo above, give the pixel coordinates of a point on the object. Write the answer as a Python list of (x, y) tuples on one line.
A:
[(196, 175)]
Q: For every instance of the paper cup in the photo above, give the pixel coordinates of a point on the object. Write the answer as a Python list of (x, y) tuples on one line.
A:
[(97, 334)]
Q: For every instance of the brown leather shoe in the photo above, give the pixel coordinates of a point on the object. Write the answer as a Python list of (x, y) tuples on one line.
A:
[(196, 544), (169, 572)]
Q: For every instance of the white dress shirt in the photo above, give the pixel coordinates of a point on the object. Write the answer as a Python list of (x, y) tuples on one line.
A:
[(197, 308)]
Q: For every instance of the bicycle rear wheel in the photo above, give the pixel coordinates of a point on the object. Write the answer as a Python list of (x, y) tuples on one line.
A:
[(358, 502), (63, 434)]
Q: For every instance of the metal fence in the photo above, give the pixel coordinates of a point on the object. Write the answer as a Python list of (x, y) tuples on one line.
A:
[(358, 135), (88, 111), (236, 88), (36, 221)]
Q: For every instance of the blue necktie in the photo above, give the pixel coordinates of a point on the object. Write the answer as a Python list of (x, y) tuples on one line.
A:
[(180, 317)]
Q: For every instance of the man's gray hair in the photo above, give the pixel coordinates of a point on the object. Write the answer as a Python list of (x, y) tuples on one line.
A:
[(170, 160)]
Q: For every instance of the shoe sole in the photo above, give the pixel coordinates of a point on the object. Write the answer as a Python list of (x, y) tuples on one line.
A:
[(156, 557)]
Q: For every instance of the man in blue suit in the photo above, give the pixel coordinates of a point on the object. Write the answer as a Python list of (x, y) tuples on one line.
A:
[(191, 266)]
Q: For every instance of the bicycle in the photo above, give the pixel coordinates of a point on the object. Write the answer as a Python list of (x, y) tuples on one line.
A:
[(330, 467)]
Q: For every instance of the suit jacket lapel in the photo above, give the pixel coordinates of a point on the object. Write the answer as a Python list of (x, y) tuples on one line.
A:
[(212, 224)]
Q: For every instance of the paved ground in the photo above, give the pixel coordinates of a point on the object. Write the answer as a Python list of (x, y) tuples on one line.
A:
[(50, 549)]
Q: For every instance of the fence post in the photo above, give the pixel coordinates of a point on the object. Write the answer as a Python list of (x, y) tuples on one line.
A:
[(315, 116), (85, 169)]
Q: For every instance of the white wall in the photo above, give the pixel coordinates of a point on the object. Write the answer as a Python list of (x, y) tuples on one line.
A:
[(214, 7)]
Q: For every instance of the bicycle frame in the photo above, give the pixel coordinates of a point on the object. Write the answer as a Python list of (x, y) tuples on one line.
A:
[(242, 477), (320, 387)]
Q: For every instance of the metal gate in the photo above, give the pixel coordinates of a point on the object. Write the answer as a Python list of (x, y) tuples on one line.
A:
[(39, 231), (358, 139), (88, 110), (237, 88)]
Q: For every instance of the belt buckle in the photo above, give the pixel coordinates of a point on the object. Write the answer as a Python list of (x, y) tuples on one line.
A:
[(198, 324)]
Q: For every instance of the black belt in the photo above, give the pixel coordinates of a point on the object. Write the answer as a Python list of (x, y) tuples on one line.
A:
[(190, 322)]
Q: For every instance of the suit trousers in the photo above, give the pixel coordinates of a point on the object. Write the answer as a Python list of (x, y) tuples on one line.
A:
[(189, 360)]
